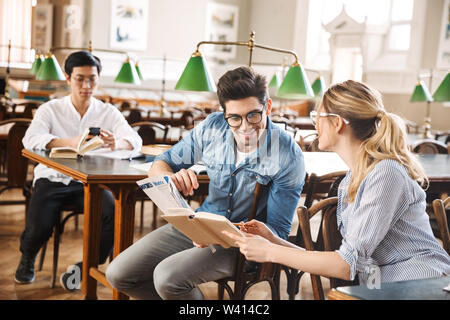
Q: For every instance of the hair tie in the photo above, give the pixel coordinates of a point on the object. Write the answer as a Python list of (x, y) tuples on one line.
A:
[(381, 114)]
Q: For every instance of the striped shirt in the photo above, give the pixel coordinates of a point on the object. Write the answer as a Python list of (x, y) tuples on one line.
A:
[(386, 227)]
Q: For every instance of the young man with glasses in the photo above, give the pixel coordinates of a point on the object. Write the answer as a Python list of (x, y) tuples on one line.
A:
[(239, 147), (61, 123)]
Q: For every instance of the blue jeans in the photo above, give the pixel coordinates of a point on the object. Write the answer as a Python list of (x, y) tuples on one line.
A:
[(165, 264)]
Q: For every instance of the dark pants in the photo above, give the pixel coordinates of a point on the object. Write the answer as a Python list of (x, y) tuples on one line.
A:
[(45, 205)]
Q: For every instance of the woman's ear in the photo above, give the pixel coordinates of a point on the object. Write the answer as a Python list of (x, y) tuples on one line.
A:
[(339, 124)]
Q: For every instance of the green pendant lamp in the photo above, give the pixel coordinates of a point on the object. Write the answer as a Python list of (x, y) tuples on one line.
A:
[(442, 93), (196, 76), (138, 70), (128, 73), (318, 87), (295, 84), (421, 93), (38, 60), (50, 69), (274, 82)]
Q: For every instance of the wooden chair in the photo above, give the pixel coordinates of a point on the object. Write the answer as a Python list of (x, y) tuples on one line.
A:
[(330, 236), (134, 116), (429, 146), (57, 233), (148, 131), (317, 188), (439, 208), (16, 164), (243, 279)]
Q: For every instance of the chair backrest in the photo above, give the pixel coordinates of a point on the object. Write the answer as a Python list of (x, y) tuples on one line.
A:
[(440, 207), (244, 279), (3, 111), (17, 165), (429, 146), (326, 185), (151, 132), (134, 116), (329, 236), (30, 108)]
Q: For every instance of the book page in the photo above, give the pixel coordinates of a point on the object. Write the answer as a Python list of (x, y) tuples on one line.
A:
[(92, 144), (82, 139), (163, 193), (63, 149)]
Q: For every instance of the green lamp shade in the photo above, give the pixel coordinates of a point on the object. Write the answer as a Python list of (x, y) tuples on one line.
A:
[(274, 82), (442, 93), (295, 84), (421, 93), (36, 64), (128, 73), (50, 70), (318, 87), (138, 70), (196, 76)]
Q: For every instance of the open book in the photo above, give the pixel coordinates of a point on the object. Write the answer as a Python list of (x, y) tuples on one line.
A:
[(200, 227), (82, 147)]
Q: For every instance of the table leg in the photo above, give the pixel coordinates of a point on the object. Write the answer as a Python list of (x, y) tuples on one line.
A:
[(125, 200), (91, 238)]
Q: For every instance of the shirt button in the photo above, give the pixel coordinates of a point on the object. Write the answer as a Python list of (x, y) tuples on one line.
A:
[(229, 211), (230, 194), (232, 174)]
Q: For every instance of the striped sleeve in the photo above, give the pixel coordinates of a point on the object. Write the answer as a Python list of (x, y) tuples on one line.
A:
[(382, 195)]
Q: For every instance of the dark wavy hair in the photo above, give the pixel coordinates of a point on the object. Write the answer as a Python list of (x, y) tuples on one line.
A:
[(241, 83)]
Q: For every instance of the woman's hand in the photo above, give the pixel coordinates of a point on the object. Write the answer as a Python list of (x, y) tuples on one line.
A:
[(258, 228), (253, 247), (185, 181)]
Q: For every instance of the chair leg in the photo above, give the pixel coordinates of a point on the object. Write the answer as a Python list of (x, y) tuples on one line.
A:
[(141, 225), (220, 291), (155, 214), (42, 257), (56, 241)]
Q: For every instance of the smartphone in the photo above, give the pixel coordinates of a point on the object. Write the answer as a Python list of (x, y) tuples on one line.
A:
[(94, 131)]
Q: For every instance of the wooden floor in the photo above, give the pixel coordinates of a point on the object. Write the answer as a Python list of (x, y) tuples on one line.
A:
[(11, 227)]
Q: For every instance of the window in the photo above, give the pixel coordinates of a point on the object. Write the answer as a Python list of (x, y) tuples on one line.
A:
[(399, 35), (395, 15), (15, 26)]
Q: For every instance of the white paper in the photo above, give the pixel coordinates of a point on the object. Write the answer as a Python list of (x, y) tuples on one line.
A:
[(141, 166), (163, 192), (114, 154)]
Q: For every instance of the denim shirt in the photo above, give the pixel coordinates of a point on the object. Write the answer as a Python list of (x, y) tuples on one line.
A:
[(277, 164)]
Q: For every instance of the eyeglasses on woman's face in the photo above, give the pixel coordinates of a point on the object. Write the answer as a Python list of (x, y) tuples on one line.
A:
[(314, 115), (253, 117)]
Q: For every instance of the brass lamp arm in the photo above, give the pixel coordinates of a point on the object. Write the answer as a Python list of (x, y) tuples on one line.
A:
[(250, 44)]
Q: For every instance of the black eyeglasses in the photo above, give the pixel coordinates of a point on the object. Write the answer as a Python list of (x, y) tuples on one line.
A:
[(253, 117)]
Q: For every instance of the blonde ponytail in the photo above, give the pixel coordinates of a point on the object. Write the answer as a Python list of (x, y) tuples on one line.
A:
[(383, 134)]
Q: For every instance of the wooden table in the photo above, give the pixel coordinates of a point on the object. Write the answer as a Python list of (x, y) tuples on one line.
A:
[(423, 289), (97, 173), (437, 169), (436, 166)]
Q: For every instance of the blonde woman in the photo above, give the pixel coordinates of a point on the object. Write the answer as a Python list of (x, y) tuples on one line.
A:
[(381, 204)]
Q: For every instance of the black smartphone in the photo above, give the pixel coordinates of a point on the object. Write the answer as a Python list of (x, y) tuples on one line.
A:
[(94, 131)]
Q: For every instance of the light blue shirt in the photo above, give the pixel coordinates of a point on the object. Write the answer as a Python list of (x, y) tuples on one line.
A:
[(387, 227), (277, 163)]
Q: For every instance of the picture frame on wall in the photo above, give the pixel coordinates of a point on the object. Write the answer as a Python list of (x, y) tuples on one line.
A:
[(42, 27), (443, 58), (221, 25), (129, 23)]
